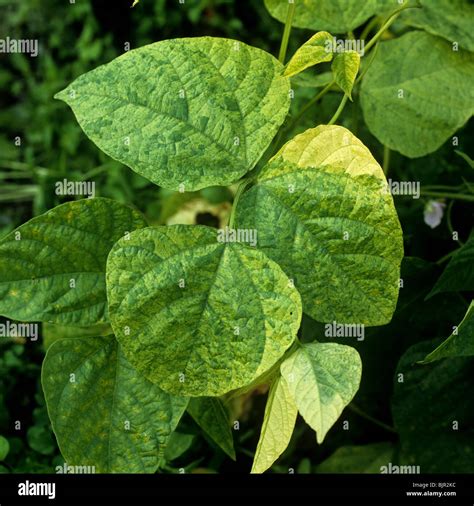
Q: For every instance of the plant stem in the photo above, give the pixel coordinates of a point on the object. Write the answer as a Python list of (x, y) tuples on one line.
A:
[(450, 223), (339, 110), (287, 31), (387, 25), (446, 257), (368, 28), (363, 414), (310, 104), (447, 195), (386, 159)]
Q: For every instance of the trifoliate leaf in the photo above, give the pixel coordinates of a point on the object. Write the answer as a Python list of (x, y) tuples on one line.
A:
[(322, 379), (407, 94), (315, 50), (433, 411), (103, 412), (460, 343), (278, 424), (323, 213), (52, 268), (451, 19), (345, 67), (184, 113), (459, 273), (358, 459), (212, 416), (337, 16), (197, 316)]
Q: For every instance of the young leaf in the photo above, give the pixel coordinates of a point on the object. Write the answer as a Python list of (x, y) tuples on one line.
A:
[(323, 213), (278, 424), (211, 415), (459, 273), (312, 52), (322, 379), (52, 268), (197, 316), (410, 82), (451, 19), (433, 411), (184, 113), (103, 412), (358, 459), (345, 67), (460, 343), (337, 16)]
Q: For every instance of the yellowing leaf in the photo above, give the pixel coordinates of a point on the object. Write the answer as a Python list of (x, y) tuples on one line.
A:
[(184, 113), (197, 316), (332, 146), (322, 379), (105, 413), (278, 424), (52, 268), (345, 67), (323, 213), (316, 50)]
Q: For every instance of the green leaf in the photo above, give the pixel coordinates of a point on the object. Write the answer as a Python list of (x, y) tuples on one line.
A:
[(197, 316), (433, 411), (323, 379), (194, 111), (358, 459), (278, 424), (177, 445), (315, 50), (336, 16), (407, 95), (212, 416), (314, 80), (323, 213), (4, 448), (103, 412), (465, 157), (52, 332), (345, 67), (460, 343), (451, 19), (52, 268), (41, 440), (459, 273)]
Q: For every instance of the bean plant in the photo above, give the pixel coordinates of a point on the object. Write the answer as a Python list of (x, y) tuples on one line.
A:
[(187, 317)]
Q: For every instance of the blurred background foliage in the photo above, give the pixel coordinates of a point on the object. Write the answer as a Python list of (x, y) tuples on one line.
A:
[(41, 143)]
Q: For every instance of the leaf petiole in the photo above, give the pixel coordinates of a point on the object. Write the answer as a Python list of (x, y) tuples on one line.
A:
[(287, 30)]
